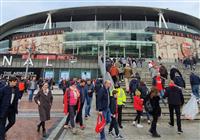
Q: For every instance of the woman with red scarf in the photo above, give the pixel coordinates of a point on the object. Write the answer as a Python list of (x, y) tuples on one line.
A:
[(158, 82), (71, 98)]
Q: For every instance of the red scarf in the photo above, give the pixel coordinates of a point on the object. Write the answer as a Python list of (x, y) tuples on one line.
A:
[(159, 83), (66, 102), (171, 84)]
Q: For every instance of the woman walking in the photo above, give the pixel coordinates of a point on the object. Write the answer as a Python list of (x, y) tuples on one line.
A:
[(156, 112), (44, 100)]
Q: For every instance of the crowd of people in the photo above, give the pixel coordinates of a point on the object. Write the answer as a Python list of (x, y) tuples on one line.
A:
[(78, 95)]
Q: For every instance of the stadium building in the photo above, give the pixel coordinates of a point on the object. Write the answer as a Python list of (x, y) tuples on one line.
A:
[(67, 42)]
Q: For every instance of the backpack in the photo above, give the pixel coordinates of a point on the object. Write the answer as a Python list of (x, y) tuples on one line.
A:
[(134, 85), (179, 81), (21, 86), (148, 107)]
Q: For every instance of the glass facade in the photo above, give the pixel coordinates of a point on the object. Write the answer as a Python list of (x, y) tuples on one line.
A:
[(4, 46), (118, 44), (132, 25)]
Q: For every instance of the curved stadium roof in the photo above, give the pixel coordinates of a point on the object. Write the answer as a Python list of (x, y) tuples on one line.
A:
[(103, 13)]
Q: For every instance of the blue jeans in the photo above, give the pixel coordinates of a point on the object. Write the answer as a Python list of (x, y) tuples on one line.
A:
[(88, 106), (195, 90), (107, 115), (31, 91)]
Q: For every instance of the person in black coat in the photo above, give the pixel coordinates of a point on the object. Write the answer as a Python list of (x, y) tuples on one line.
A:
[(175, 101), (97, 87), (163, 71), (103, 99), (179, 81), (82, 90), (195, 82), (8, 105), (173, 71), (154, 100), (114, 113), (44, 101)]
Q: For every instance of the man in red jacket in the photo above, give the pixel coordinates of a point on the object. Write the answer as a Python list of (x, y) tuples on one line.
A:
[(114, 72)]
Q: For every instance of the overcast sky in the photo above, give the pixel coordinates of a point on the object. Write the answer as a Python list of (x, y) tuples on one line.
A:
[(11, 9)]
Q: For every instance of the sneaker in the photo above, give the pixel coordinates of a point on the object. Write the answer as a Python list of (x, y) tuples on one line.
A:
[(82, 127), (139, 126), (121, 127), (170, 125), (134, 123), (150, 131), (156, 135), (149, 122), (111, 134), (38, 128), (119, 137), (180, 131), (66, 126), (86, 117), (44, 134)]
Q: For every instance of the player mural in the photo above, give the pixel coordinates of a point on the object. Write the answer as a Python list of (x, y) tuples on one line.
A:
[(48, 42), (176, 47)]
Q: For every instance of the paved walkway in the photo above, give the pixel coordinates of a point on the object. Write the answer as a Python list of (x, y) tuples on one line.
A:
[(27, 119), (191, 131)]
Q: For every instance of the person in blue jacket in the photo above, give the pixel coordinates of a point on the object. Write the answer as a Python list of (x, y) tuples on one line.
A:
[(82, 90), (89, 94), (195, 82), (103, 101), (9, 96)]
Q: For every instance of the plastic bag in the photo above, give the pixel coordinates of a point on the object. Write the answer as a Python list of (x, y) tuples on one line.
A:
[(190, 110), (100, 123)]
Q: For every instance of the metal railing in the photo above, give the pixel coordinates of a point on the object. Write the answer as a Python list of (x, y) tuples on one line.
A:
[(106, 75)]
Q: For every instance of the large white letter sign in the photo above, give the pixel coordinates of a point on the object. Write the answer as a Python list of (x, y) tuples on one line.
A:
[(5, 59)]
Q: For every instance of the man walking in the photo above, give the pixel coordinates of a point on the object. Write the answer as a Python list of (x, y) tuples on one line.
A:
[(175, 101), (195, 82), (103, 101), (121, 100), (9, 96)]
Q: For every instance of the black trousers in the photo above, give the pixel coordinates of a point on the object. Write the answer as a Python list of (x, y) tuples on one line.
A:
[(70, 116), (113, 124), (121, 76), (120, 115), (154, 124), (11, 116), (2, 128), (178, 115), (42, 123), (79, 117), (137, 118)]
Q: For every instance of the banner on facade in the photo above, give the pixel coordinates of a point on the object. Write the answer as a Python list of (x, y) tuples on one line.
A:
[(172, 47)]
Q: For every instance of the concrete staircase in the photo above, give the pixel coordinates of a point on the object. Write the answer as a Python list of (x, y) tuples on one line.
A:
[(129, 112)]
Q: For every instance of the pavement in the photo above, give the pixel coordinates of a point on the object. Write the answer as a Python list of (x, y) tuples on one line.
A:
[(129, 132), (28, 117)]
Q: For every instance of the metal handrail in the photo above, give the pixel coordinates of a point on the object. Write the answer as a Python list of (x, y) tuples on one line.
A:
[(106, 75)]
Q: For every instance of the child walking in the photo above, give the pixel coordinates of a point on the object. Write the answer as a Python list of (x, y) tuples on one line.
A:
[(138, 106), (113, 109)]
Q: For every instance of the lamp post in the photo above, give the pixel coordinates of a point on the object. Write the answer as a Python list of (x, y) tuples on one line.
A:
[(27, 65), (104, 49)]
